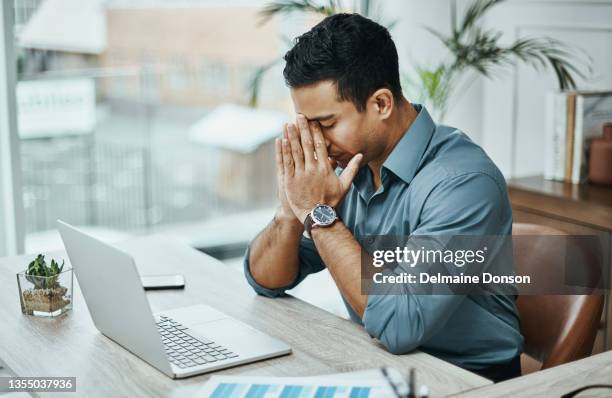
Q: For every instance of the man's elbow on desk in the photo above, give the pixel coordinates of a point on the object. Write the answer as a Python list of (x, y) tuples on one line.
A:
[(397, 335), (259, 289), (393, 342)]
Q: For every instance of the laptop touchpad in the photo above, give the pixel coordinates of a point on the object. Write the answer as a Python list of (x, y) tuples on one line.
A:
[(228, 332), (195, 315)]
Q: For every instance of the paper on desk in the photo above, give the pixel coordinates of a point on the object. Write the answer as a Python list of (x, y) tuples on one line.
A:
[(361, 384)]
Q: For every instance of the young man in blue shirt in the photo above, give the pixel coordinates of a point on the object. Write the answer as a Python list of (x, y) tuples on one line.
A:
[(401, 175)]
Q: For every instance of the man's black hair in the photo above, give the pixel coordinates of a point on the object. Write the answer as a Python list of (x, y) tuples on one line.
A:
[(353, 51)]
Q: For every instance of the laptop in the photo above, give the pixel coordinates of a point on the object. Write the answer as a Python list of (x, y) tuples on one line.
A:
[(181, 342)]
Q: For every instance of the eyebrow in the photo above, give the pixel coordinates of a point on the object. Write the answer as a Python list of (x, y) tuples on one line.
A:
[(322, 118)]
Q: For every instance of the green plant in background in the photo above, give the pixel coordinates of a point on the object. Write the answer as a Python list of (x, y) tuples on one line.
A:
[(473, 50), (42, 275), (476, 49), (330, 7)]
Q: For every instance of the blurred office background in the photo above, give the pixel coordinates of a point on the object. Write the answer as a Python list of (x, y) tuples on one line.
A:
[(138, 116)]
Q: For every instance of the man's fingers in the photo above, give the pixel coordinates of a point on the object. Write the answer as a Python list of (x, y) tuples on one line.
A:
[(306, 141), (319, 143), (288, 168), (296, 147), (280, 164), (349, 173), (278, 149)]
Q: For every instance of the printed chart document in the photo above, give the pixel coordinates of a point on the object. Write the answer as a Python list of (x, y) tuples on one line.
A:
[(364, 384)]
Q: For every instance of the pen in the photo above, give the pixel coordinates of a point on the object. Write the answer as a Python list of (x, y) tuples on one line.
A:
[(411, 384), (411, 393), (385, 374)]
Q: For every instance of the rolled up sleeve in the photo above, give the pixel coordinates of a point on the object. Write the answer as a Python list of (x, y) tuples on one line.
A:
[(309, 262), (469, 204)]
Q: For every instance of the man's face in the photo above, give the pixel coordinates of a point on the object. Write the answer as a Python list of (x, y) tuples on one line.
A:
[(347, 131)]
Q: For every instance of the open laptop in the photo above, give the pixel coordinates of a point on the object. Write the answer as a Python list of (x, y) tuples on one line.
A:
[(180, 342)]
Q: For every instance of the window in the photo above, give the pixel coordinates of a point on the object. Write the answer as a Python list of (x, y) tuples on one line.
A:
[(114, 119)]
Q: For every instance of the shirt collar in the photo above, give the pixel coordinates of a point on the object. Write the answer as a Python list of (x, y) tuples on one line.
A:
[(406, 156)]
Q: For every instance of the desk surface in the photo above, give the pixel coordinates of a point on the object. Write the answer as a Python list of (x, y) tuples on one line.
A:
[(556, 381), (72, 346)]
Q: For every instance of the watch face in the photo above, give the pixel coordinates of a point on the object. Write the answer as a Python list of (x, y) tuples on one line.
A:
[(324, 215)]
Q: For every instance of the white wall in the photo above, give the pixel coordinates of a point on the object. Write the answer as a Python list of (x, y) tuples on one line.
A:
[(506, 114), (513, 123)]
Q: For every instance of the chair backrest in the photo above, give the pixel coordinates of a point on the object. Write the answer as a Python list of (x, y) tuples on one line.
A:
[(557, 328)]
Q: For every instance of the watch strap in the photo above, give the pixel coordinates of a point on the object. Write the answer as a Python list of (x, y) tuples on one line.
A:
[(308, 224)]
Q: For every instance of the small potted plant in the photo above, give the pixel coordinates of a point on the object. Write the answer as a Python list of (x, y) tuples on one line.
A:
[(45, 290)]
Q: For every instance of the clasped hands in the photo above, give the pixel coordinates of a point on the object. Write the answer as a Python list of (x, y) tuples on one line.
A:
[(305, 173)]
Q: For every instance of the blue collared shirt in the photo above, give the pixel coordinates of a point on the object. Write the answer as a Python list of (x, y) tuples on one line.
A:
[(436, 181)]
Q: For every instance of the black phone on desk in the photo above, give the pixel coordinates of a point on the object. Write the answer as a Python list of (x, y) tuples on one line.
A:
[(161, 282)]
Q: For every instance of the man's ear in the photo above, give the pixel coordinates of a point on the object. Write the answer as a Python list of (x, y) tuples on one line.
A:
[(382, 102)]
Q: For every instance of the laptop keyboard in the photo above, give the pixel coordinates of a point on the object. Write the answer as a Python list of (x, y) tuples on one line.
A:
[(186, 351)]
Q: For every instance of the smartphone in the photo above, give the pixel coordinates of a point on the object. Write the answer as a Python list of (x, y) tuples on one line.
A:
[(159, 282)]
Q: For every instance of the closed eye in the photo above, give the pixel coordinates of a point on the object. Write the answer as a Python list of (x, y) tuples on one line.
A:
[(329, 126)]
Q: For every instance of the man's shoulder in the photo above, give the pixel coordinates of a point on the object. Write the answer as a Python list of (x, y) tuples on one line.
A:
[(459, 186), (453, 162), (452, 157)]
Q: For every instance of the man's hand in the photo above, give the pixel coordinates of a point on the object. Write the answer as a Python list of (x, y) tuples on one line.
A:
[(284, 211), (308, 176)]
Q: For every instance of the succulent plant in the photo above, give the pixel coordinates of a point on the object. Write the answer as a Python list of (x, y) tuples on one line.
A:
[(44, 276)]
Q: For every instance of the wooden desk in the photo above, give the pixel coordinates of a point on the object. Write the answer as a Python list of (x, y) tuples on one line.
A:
[(72, 346), (556, 381), (575, 209)]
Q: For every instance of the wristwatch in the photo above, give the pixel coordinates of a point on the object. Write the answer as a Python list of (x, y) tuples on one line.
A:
[(321, 216)]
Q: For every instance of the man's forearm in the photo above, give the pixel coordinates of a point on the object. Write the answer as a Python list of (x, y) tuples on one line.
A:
[(273, 259), (341, 253)]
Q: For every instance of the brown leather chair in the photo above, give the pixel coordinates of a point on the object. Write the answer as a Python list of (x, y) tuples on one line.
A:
[(557, 328)]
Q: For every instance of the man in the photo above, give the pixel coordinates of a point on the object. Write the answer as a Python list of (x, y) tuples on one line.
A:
[(401, 175)]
